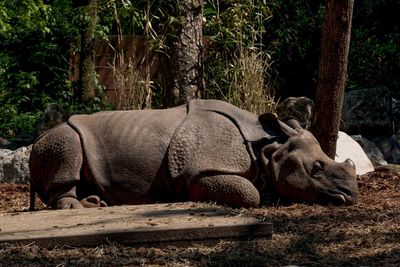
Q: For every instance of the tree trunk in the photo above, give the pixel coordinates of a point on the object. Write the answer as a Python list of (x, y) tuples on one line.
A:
[(185, 63), (332, 75), (88, 54)]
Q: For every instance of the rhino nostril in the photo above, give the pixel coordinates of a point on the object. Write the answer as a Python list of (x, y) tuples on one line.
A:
[(345, 191)]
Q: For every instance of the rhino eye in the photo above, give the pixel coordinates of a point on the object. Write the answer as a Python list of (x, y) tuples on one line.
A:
[(318, 168), (291, 147)]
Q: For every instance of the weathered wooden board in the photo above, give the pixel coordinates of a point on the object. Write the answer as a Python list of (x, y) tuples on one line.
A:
[(141, 224)]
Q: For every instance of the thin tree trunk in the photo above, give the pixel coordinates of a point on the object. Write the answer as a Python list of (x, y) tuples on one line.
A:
[(88, 55), (332, 73), (185, 68)]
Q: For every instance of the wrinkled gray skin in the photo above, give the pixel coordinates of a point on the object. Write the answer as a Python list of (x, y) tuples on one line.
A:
[(207, 150)]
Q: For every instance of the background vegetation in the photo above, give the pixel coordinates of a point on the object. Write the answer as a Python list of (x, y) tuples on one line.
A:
[(276, 40)]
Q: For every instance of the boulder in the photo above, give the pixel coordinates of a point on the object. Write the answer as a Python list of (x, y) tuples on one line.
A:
[(367, 112), (372, 151), (14, 165), (390, 147), (299, 108), (389, 168), (346, 147)]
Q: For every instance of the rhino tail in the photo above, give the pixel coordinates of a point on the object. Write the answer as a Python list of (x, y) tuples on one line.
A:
[(32, 198)]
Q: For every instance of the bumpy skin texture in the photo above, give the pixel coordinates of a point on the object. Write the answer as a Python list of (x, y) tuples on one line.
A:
[(207, 150), (55, 165)]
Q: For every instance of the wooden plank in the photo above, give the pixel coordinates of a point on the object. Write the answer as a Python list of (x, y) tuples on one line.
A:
[(140, 224)]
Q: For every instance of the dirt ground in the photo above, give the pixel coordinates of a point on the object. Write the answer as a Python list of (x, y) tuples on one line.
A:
[(366, 234)]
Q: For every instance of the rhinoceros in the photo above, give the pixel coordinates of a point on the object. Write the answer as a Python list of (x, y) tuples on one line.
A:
[(206, 150)]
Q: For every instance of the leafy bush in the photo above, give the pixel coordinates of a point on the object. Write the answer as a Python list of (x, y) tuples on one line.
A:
[(13, 122), (34, 40), (35, 45)]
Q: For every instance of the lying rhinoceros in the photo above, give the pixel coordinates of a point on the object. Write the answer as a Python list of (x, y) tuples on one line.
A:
[(207, 150)]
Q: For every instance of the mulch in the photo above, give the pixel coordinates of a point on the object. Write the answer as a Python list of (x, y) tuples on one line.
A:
[(365, 234)]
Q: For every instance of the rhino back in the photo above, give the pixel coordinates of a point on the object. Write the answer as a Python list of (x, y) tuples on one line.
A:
[(125, 150)]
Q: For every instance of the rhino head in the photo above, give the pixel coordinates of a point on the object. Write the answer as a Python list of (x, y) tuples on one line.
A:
[(302, 172)]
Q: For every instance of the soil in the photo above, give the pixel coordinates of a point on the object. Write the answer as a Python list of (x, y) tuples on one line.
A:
[(365, 234)]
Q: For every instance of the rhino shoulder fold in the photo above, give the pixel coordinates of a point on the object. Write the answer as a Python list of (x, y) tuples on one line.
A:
[(249, 124)]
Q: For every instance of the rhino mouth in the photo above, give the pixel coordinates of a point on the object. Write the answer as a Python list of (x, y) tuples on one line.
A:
[(338, 197)]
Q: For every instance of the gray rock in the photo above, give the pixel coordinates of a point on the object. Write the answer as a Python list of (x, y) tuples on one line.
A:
[(367, 112), (389, 168), (4, 153), (14, 165), (372, 151), (390, 147), (299, 108)]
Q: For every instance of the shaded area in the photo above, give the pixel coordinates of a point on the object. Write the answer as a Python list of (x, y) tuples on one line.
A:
[(364, 234)]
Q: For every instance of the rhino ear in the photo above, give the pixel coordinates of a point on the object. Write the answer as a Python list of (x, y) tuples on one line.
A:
[(270, 121)]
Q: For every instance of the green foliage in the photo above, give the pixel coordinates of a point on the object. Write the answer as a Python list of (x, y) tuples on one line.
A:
[(13, 122), (130, 14), (374, 58), (35, 42), (19, 18)]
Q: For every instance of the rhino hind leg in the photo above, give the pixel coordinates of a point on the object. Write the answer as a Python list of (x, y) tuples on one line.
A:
[(231, 190), (55, 164)]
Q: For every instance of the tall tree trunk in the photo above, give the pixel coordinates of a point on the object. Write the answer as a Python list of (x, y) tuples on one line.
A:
[(88, 54), (332, 75), (185, 64)]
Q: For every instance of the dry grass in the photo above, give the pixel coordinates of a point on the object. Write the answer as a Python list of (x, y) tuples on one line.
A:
[(366, 234), (132, 90), (249, 89)]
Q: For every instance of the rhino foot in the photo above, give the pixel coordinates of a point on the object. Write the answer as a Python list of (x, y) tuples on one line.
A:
[(68, 203), (93, 202)]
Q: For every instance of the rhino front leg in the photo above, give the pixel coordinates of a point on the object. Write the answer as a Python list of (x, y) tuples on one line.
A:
[(231, 190)]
